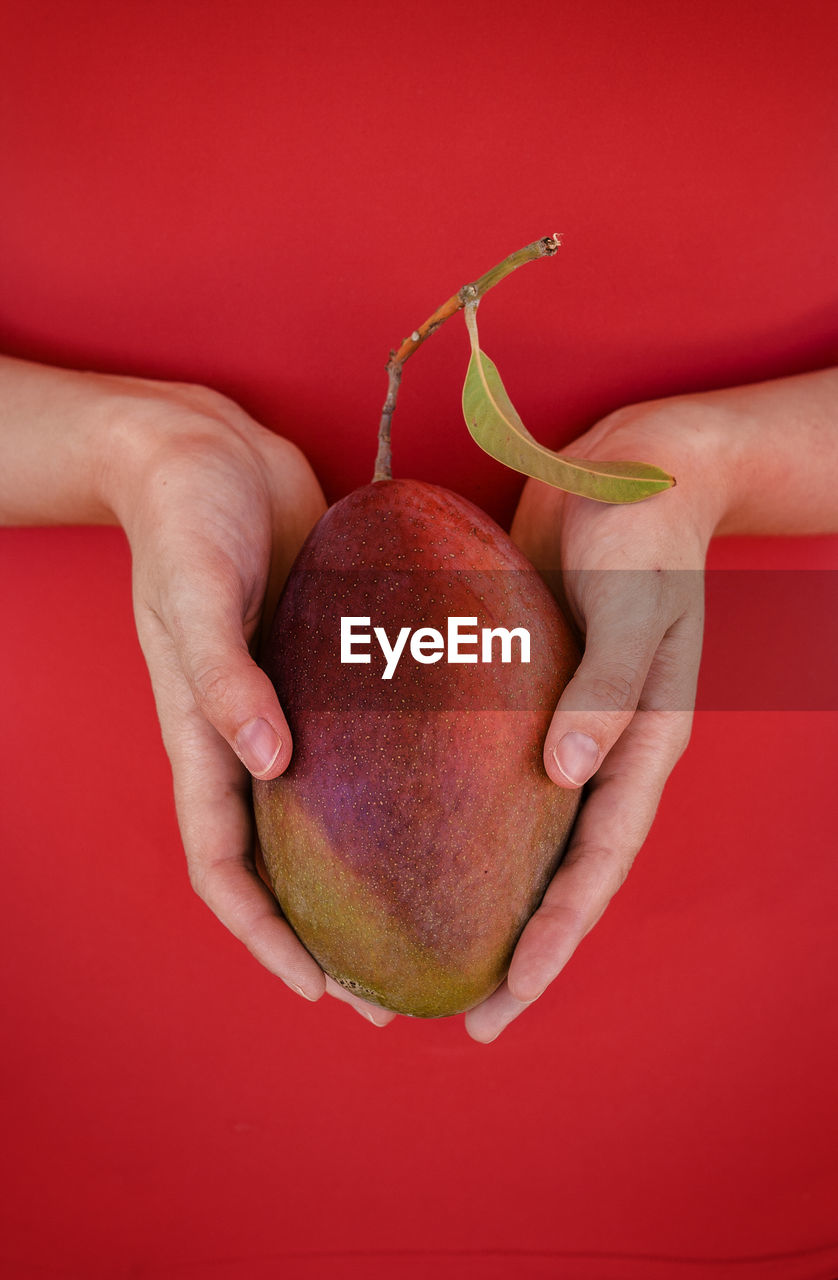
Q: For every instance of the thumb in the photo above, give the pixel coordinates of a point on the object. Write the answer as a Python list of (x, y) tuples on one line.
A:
[(601, 699), (231, 691)]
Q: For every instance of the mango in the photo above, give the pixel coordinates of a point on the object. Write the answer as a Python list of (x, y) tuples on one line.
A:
[(415, 830)]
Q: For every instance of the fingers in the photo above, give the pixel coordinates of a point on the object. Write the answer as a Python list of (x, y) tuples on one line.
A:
[(218, 841), (238, 700), (204, 623), (373, 1013), (613, 823), (235, 894), (627, 615), (487, 1020), (212, 796), (612, 826)]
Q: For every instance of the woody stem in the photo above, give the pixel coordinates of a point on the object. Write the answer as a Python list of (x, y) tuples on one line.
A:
[(544, 248)]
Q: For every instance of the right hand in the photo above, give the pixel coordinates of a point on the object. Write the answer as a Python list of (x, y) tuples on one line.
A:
[(215, 508)]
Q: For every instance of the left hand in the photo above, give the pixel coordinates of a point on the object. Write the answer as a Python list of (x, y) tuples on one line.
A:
[(632, 582)]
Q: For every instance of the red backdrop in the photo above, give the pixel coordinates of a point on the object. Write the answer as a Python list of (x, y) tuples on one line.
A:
[(266, 197)]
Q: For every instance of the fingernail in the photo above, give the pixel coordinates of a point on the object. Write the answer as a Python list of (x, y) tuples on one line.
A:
[(302, 993), (257, 744), (576, 755)]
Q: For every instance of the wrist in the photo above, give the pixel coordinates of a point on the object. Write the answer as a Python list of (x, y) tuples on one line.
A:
[(147, 427), (51, 445), (760, 458), (693, 437), (784, 446)]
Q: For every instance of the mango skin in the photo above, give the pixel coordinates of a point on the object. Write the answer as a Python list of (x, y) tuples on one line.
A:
[(415, 830)]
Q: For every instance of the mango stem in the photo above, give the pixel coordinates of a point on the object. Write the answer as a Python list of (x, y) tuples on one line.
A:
[(469, 293)]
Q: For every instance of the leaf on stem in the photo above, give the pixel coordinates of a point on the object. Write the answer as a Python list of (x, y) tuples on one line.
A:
[(496, 427)]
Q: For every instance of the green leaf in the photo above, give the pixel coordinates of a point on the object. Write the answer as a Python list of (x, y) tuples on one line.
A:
[(495, 426)]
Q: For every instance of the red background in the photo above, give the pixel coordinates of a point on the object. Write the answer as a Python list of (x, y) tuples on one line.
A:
[(265, 198)]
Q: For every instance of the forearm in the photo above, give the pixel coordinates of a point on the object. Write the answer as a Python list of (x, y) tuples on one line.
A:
[(780, 443), (53, 445), (85, 448)]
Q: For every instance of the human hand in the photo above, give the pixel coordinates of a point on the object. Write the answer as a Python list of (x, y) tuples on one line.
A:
[(631, 580), (215, 508)]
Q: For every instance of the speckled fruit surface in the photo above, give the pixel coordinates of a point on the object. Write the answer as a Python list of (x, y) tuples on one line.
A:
[(416, 830)]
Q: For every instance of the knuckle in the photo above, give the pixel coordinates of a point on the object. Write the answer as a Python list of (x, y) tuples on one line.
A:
[(213, 688), (211, 882), (614, 691), (559, 917), (667, 735), (197, 878), (621, 867), (610, 866), (682, 739)]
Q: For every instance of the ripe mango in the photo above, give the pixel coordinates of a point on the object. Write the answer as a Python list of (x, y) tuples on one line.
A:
[(415, 830)]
